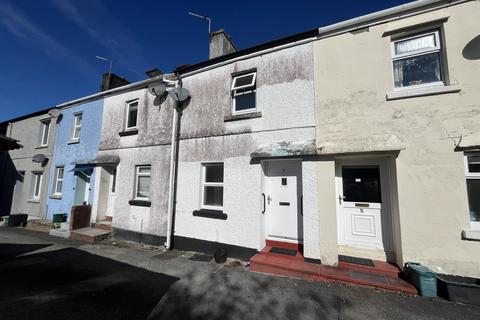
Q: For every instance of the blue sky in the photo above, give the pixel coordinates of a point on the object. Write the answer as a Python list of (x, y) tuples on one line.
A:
[(49, 46)]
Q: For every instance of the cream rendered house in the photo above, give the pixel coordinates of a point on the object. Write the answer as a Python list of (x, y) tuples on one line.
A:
[(398, 126)]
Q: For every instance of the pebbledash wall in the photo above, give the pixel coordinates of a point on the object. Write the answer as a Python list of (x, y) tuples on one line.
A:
[(285, 103), (68, 154), (148, 145), (17, 193), (353, 73)]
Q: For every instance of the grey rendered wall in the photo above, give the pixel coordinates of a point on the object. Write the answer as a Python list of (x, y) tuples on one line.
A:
[(150, 146), (28, 132)]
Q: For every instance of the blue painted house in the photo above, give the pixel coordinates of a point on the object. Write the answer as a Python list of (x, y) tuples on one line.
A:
[(76, 147)]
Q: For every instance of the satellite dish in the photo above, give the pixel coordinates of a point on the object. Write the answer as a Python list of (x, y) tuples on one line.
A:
[(179, 94), (54, 112), (39, 158), (158, 89)]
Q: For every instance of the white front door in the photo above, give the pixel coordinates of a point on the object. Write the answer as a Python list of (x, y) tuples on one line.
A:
[(362, 206), (283, 196)]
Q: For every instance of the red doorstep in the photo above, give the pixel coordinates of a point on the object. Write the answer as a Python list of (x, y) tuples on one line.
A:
[(382, 276)]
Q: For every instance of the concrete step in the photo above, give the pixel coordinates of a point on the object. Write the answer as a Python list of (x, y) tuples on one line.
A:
[(61, 233), (42, 225), (104, 225), (90, 235), (293, 267)]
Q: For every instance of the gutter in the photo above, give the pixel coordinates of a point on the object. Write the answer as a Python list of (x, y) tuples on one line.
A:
[(383, 16), (134, 85)]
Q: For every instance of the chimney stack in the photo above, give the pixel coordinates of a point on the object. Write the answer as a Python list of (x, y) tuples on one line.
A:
[(111, 81), (220, 44)]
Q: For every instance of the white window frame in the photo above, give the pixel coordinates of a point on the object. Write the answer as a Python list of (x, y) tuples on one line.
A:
[(421, 52), (475, 225), (234, 89), (142, 174), (45, 131), (127, 115), (57, 180), (211, 184), (77, 126), (36, 193)]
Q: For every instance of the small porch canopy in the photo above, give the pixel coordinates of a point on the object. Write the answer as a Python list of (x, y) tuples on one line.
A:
[(468, 142), (7, 143), (285, 149), (360, 144), (99, 161), (331, 146)]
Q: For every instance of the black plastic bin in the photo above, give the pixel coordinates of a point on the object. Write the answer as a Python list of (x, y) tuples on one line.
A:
[(459, 289), (17, 220)]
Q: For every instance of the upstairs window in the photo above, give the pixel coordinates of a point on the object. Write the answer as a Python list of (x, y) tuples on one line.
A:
[(417, 60), (472, 175), (45, 130), (142, 182), (212, 186), (77, 126), (58, 181), (243, 92), (131, 117)]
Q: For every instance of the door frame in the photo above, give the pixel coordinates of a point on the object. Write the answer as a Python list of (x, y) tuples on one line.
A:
[(86, 195), (387, 222), (264, 195)]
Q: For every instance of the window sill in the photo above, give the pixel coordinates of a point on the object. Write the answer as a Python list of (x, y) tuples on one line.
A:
[(420, 92), (74, 141), (243, 116), (471, 235), (140, 203), (55, 196), (212, 214), (33, 201), (128, 133)]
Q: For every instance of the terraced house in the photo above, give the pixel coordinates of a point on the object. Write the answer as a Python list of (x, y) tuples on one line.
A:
[(358, 139), (398, 123)]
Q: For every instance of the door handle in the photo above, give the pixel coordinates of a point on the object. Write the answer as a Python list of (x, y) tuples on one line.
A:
[(341, 198), (264, 203)]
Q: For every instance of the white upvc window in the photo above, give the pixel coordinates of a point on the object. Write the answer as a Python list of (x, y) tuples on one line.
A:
[(77, 126), (45, 125), (417, 61), (472, 175), (37, 185), (143, 175), (131, 115), (58, 181), (212, 186), (244, 89)]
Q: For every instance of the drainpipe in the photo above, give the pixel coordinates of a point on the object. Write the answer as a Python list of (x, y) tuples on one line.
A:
[(171, 193)]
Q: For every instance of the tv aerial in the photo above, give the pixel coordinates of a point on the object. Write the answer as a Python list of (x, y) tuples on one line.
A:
[(209, 20)]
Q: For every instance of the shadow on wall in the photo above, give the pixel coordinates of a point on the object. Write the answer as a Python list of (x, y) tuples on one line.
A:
[(8, 178), (472, 49), (73, 284)]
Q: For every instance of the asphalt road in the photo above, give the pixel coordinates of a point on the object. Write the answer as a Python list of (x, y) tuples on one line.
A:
[(47, 278)]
